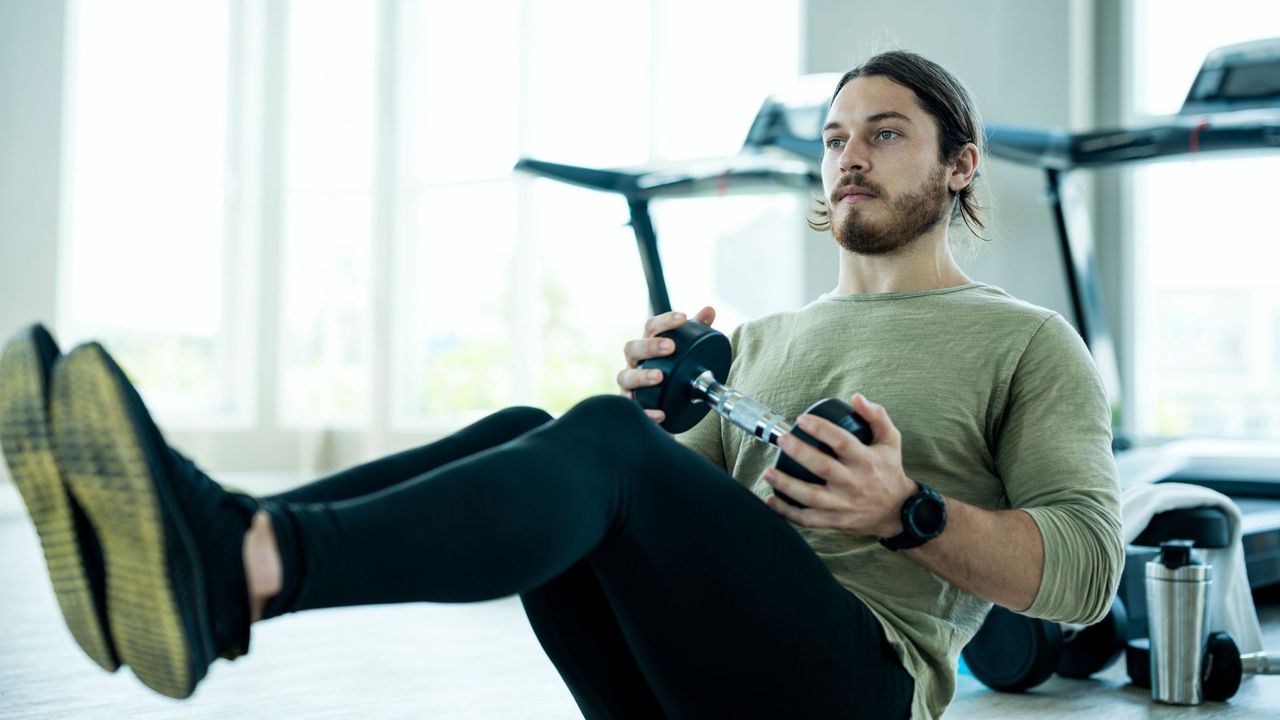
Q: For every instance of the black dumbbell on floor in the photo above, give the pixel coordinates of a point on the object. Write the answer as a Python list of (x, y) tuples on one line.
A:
[(1224, 666), (692, 386), (1014, 653)]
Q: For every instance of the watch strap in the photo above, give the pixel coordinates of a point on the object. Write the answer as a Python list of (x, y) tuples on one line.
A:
[(911, 537)]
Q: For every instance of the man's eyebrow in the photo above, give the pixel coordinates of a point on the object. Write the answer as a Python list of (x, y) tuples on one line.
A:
[(888, 115), (885, 115)]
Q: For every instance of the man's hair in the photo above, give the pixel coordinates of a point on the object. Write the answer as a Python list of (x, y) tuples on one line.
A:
[(943, 97)]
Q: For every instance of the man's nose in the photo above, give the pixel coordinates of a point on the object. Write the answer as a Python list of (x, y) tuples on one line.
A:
[(854, 157)]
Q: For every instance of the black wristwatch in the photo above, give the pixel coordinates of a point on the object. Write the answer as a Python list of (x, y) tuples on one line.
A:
[(924, 515)]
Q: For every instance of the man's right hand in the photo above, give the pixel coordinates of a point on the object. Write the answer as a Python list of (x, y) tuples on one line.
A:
[(650, 346)]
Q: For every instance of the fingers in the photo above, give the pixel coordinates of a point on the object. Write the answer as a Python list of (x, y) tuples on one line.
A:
[(805, 493), (661, 323), (706, 315), (842, 442), (637, 351), (630, 379), (882, 428), (811, 458), (805, 517), (656, 415), (652, 346)]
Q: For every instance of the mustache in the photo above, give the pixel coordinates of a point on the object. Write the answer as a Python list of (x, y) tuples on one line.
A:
[(861, 181)]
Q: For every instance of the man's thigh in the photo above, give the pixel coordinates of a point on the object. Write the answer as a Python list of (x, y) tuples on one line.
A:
[(729, 611), (576, 626)]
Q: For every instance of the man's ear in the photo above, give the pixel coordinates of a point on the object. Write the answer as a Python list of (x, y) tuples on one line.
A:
[(964, 168)]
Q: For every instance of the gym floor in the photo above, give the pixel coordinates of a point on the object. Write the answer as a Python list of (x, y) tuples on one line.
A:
[(461, 662)]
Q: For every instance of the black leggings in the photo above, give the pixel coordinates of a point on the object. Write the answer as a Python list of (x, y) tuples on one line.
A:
[(656, 583)]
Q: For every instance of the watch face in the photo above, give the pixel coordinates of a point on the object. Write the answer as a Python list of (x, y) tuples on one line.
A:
[(927, 516)]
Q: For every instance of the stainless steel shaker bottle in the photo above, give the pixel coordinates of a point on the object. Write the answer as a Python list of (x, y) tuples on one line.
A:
[(1178, 615)]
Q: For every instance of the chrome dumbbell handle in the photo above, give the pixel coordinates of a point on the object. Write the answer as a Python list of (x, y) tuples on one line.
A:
[(755, 417), (1260, 663)]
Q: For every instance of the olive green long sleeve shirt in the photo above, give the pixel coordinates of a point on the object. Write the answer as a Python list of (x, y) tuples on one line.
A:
[(999, 405)]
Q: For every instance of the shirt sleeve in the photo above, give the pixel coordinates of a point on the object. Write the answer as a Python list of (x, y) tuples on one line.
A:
[(1054, 455)]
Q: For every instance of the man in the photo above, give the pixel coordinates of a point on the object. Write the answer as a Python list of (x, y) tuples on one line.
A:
[(995, 403), (656, 583)]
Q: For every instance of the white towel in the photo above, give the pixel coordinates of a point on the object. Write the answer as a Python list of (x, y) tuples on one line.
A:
[(1230, 602)]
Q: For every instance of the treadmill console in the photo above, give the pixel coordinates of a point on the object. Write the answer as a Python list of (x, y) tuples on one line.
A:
[(1237, 77)]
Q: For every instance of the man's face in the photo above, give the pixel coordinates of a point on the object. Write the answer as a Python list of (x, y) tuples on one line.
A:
[(884, 182)]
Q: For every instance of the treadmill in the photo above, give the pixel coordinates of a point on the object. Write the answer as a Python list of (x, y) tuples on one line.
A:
[(1233, 107)]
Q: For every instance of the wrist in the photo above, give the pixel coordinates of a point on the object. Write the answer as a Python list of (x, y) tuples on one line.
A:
[(922, 517), (892, 524)]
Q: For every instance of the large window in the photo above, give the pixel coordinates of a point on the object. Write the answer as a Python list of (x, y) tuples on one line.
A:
[(350, 161), (150, 261), (1206, 300), (329, 146)]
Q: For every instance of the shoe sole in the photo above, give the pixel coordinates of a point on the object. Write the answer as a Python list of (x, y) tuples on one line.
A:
[(25, 438), (155, 597)]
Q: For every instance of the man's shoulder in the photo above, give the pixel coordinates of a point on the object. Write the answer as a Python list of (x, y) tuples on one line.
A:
[(974, 310), (1022, 326), (991, 301)]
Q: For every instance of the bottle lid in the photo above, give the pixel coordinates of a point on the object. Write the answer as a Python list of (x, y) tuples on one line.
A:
[(1176, 553), (1176, 564)]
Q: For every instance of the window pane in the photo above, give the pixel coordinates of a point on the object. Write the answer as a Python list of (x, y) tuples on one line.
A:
[(590, 295), (707, 89), (331, 83), (1206, 299), (145, 263), (458, 271), (526, 290), (460, 126), (742, 254), (326, 333), (589, 89), (1205, 303), (326, 336)]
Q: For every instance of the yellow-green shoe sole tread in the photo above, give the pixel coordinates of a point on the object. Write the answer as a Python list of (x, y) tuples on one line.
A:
[(109, 474), (25, 438)]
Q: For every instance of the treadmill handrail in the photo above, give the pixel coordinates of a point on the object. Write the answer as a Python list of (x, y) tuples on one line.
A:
[(1167, 137)]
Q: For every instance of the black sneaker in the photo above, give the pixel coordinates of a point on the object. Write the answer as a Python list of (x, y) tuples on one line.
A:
[(71, 549), (172, 538)]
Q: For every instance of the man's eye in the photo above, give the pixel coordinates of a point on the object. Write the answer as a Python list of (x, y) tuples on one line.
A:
[(835, 143), (887, 134)]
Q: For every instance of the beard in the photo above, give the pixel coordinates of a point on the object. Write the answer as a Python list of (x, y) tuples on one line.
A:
[(910, 215)]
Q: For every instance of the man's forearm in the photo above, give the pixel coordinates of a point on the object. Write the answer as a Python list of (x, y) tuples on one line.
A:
[(994, 554)]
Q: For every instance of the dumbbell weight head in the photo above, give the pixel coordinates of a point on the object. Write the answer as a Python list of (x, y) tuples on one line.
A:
[(838, 412), (1095, 647), (1222, 667), (1137, 662), (698, 349), (1221, 673), (1012, 652)]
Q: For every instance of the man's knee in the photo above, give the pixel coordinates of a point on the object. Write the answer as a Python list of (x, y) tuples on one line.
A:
[(608, 412), (521, 419)]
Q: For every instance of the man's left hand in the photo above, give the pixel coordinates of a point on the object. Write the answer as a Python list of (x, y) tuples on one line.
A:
[(866, 486)]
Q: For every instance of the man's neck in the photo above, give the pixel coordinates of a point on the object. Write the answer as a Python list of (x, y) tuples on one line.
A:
[(924, 264)]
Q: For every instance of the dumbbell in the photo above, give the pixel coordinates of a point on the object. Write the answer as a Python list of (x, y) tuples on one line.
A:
[(1014, 653), (691, 387), (1224, 666)]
